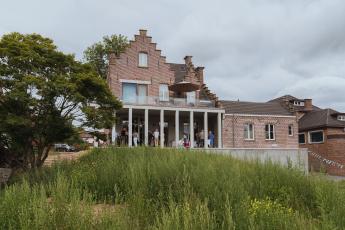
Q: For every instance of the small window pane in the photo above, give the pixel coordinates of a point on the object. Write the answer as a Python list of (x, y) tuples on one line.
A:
[(129, 92), (316, 137), (290, 130), (143, 59), (248, 132), (301, 138), (163, 92), (269, 130)]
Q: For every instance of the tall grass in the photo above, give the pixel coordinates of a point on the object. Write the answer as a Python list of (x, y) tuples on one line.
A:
[(170, 189)]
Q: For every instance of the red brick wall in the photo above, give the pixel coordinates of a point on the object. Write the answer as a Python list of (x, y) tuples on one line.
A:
[(126, 66), (332, 149), (233, 132)]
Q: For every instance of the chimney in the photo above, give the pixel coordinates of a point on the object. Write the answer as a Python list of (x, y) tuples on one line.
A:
[(142, 32), (188, 60), (308, 104), (200, 74)]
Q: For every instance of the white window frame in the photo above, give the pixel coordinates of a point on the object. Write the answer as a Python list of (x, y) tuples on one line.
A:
[(298, 103), (316, 131), (269, 131), (292, 131), (305, 140), (247, 135), (163, 96), (140, 60)]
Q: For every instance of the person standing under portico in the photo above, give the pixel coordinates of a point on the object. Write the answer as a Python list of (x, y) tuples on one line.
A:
[(156, 137)]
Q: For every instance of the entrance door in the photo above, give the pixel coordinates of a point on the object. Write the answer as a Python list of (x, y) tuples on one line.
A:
[(191, 98)]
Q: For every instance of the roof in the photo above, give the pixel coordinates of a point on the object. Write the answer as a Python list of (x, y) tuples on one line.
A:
[(180, 71), (320, 119), (256, 108), (285, 98), (289, 98)]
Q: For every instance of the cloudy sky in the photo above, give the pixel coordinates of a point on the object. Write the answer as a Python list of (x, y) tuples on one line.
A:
[(252, 50)]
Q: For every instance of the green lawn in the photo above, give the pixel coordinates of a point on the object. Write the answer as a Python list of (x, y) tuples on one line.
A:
[(170, 189)]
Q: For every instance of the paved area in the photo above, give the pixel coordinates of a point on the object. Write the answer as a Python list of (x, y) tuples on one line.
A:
[(63, 156)]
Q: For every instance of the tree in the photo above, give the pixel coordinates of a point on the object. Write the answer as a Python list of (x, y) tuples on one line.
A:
[(42, 91), (97, 55)]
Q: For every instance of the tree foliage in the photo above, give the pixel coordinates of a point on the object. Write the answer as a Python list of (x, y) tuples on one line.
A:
[(42, 91), (97, 55)]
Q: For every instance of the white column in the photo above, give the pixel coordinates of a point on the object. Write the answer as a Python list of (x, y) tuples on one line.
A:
[(146, 133), (113, 137), (162, 129), (130, 112), (191, 129), (220, 130), (177, 127), (205, 130)]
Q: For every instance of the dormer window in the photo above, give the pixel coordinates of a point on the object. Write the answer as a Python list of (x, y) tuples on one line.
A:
[(341, 117), (298, 103), (142, 59)]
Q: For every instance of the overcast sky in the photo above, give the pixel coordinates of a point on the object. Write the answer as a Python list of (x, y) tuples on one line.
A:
[(252, 50)]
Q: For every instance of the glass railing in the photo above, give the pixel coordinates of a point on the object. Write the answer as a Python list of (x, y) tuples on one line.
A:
[(171, 101)]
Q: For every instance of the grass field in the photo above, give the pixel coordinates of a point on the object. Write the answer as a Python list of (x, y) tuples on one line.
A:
[(147, 188)]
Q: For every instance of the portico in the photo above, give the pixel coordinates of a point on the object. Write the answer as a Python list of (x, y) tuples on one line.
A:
[(173, 124)]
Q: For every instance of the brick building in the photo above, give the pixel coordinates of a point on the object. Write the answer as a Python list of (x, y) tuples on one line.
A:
[(157, 95), (322, 131), (258, 125)]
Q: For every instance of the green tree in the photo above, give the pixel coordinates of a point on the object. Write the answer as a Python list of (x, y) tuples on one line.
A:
[(42, 91), (97, 55)]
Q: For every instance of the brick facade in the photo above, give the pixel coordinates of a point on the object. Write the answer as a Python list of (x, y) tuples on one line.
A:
[(126, 66), (333, 148), (233, 132)]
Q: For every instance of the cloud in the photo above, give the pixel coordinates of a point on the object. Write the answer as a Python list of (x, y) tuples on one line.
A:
[(252, 49)]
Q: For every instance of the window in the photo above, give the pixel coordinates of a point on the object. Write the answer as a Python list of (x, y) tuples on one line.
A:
[(142, 94), (301, 138), (142, 59), (248, 131), (134, 93), (341, 117), (290, 128), (298, 103), (163, 92), (269, 130), (191, 97), (129, 92), (316, 137)]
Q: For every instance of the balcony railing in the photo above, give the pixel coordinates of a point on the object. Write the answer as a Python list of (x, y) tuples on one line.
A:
[(171, 101)]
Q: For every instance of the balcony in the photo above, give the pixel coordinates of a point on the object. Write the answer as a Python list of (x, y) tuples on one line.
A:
[(170, 102)]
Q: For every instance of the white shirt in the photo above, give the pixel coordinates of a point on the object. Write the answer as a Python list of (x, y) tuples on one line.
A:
[(156, 134)]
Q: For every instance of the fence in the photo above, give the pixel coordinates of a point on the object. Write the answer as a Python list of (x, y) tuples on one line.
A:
[(296, 157)]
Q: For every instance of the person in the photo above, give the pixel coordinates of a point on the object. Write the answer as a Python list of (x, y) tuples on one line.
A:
[(135, 139), (156, 136), (123, 136), (185, 140), (202, 138), (197, 138), (211, 138)]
